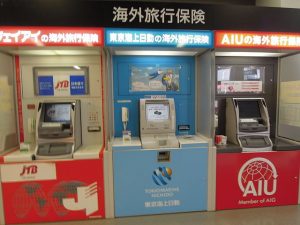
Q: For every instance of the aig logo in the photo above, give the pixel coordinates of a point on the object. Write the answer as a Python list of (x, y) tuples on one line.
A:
[(29, 170), (257, 177)]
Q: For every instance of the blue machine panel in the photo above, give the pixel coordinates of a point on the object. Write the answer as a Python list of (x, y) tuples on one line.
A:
[(45, 85), (143, 185), (77, 85), (127, 96)]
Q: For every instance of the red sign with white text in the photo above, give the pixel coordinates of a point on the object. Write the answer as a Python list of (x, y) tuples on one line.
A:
[(238, 39), (246, 180), (50, 36), (53, 191)]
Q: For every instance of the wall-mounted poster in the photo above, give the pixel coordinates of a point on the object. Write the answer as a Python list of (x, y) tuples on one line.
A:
[(7, 110), (240, 79), (61, 81), (145, 78)]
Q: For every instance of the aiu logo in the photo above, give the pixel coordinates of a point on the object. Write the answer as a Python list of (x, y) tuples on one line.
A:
[(257, 177), (162, 175)]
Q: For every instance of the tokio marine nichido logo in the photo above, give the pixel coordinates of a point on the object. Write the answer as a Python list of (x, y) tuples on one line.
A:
[(162, 175), (257, 177)]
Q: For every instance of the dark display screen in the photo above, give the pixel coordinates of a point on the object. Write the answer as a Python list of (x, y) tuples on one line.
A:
[(249, 109), (55, 112)]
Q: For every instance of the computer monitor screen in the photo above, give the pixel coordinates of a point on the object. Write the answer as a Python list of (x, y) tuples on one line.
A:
[(157, 112), (57, 112), (249, 109)]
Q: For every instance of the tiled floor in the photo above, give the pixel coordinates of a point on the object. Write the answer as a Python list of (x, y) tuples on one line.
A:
[(287, 215)]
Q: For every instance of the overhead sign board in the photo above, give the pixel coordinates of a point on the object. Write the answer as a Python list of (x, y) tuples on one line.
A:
[(158, 38), (50, 36), (237, 39), (152, 15)]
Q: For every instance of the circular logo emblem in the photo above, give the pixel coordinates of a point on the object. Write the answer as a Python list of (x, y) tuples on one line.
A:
[(162, 175), (256, 172)]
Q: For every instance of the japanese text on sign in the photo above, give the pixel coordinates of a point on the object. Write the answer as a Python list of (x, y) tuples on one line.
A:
[(257, 39), (168, 203), (168, 38), (159, 38), (24, 36), (154, 15), (42, 37)]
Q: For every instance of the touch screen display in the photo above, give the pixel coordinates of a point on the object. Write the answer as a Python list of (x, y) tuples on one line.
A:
[(157, 112), (249, 109), (57, 112)]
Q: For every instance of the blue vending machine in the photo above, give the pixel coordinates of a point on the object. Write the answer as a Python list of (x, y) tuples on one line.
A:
[(159, 164)]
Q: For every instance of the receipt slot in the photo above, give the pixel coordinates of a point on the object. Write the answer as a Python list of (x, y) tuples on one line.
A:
[(247, 123), (58, 132)]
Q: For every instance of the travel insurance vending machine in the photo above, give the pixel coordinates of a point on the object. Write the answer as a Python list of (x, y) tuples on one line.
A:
[(57, 174), (158, 123), (248, 123), (59, 121), (154, 145), (259, 164)]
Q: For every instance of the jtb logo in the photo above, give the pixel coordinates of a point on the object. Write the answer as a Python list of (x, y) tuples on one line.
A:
[(27, 170), (161, 174), (62, 84), (258, 176), (87, 198)]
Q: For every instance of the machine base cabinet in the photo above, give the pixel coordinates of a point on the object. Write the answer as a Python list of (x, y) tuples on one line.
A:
[(52, 191), (146, 183), (246, 180)]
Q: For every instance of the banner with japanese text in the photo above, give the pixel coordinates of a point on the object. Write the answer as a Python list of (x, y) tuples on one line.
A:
[(247, 39), (50, 36), (158, 38)]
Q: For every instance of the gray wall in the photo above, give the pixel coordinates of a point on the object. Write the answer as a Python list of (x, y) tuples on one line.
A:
[(289, 98), (205, 90), (8, 123)]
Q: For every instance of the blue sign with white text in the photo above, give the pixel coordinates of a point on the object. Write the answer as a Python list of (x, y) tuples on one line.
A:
[(158, 38), (77, 85), (45, 85)]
